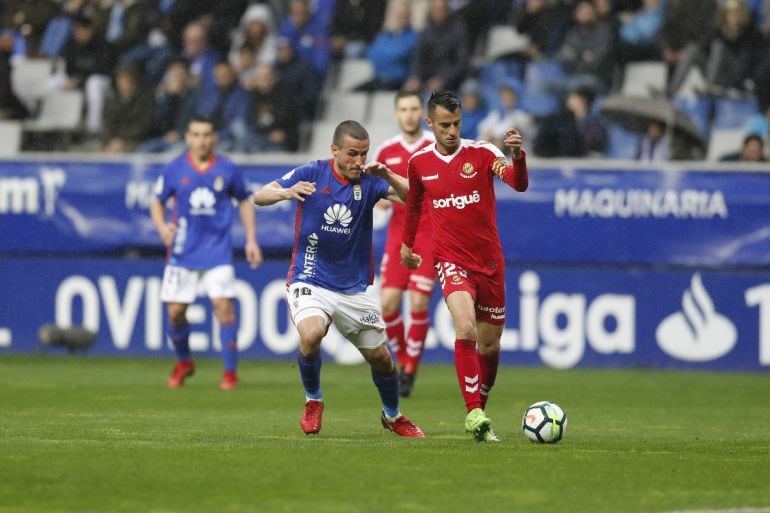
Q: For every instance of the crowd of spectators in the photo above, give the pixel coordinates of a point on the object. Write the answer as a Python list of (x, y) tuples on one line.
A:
[(259, 68)]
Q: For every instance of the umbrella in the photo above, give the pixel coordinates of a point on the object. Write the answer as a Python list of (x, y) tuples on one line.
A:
[(634, 112)]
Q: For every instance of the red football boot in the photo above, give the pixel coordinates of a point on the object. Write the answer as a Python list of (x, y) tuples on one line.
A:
[(181, 371), (311, 417), (229, 380), (403, 427)]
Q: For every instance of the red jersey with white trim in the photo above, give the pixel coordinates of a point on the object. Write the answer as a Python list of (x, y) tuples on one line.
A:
[(458, 191), (395, 153)]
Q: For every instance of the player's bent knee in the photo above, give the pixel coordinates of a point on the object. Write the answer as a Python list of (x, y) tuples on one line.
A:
[(466, 328)]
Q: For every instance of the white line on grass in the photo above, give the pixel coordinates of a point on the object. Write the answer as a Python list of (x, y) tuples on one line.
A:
[(729, 510)]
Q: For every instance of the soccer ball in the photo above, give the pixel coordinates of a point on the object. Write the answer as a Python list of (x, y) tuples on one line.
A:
[(544, 422)]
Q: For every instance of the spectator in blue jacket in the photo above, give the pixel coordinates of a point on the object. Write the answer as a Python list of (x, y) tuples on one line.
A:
[(638, 32), (308, 34), (391, 51)]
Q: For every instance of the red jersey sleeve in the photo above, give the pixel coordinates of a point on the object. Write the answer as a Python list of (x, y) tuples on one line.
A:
[(516, 175), (413, 205)]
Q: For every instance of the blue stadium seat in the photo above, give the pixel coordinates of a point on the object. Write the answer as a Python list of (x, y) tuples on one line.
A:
[(733, 112), (622, 143), (539, 104), (699, 109), (543, 81), (494, 74)]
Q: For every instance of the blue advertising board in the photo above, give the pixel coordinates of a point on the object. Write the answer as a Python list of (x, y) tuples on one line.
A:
[(558, 317), (569, 215)]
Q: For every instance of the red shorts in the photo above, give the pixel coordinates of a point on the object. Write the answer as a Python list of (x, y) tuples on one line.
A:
[(488, 292), (398, 276)]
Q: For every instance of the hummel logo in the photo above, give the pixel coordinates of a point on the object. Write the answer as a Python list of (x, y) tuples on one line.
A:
[(413, 347), (430, 177), (471, 383)]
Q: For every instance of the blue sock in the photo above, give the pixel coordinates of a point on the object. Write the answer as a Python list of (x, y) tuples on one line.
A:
[(310, 372), (228, 334), (179, 334), (387, 385)]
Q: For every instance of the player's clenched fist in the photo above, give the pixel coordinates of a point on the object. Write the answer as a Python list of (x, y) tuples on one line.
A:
[(513, 141), (409, 259), (377, 169)]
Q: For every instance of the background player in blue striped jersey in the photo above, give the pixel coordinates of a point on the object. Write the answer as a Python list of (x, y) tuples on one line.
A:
[(200, 254), (332, 265)]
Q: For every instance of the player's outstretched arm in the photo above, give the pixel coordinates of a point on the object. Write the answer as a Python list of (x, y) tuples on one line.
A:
[(252, 249), (273, 193), (158, 216), (399, 186), (515, 175)]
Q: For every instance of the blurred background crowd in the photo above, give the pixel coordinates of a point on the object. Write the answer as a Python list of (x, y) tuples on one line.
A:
[(651, 80)]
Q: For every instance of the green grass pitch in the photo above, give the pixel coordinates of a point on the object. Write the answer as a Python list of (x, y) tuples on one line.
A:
[(86, 434)]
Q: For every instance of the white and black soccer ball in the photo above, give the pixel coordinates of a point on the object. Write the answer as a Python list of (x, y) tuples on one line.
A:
[(544, 422)]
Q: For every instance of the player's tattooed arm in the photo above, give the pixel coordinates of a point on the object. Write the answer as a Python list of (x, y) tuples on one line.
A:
[(273, 193)]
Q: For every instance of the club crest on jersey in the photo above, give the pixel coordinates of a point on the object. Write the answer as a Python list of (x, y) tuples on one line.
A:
[(219, 184), (468, 171), (456, 279), (357, 192)]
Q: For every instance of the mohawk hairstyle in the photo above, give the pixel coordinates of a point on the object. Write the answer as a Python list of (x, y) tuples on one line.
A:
[(446, 99)]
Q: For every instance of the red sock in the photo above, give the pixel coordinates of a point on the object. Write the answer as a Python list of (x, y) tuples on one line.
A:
[(394, 330), (415, 341), (468, 372), (488, 363)]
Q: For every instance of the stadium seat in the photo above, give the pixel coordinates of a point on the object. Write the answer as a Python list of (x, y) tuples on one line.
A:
[(543, 81), (29, 79), (381, 106), (724, 141), (504, 40), (321, 140), (640, 77), (538, 103), (622, 143), (733, 112), (59, 112), (10, 138), (699, 109), (353, 72), (379, 131), (492, 75), (345, 105)]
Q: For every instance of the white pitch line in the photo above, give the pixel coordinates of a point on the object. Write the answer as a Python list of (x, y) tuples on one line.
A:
[(729, 510)]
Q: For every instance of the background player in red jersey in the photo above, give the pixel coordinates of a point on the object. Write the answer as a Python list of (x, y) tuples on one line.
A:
[(395, 278), (456, 176)]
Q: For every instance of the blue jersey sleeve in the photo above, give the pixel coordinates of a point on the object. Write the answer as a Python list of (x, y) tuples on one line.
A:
[(306, 173), (238, 187), (164, 186), (380, 188)]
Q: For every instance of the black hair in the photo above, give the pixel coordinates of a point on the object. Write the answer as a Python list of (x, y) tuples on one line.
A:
[(198, 118), (445, 99), (752, 137), (349, 128)]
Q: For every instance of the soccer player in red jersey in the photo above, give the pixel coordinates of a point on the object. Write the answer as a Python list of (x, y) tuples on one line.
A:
[(456, 177), (396, 278)]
